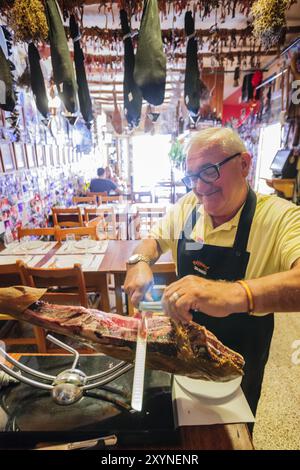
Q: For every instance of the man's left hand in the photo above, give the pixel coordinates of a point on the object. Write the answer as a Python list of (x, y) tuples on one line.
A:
[(215, 298)]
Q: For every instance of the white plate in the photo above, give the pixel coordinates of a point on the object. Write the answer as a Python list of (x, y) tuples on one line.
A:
[(84, 244), (208, 389), (32, 245)]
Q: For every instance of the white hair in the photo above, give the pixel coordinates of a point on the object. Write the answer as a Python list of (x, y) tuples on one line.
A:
[(224, 137)]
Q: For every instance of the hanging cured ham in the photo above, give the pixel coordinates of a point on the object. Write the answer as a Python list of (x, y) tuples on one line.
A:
[(37, 80), (63, 72), (175, 347), (150, 61), (132, 94), (194, 88), (85, 102)]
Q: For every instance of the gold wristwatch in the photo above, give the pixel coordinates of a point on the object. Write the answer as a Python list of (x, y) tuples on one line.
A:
[(134, 259)]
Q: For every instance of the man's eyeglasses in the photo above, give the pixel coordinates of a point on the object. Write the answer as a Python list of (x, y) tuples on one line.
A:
[(208, 174)]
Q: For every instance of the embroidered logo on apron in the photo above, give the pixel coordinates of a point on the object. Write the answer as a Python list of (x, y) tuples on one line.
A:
[(200, 267)]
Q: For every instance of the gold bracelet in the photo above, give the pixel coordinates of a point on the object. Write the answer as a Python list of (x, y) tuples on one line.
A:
[(249, 296)]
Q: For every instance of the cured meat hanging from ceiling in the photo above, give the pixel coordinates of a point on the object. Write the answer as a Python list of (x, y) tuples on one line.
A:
[(37, 81), (150, 60), (85, 102), (194, 88), (132, 94), (7, 93), (116, 119), (63, 73)]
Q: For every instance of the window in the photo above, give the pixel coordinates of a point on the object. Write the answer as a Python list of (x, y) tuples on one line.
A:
[(269, 143)]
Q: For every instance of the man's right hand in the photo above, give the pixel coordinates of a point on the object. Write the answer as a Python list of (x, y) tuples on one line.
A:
[(139, 279)]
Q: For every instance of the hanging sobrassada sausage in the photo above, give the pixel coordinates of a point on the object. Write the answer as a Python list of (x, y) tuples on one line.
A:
[(194, 88), (37, 80), (132, 94), (85, 102)]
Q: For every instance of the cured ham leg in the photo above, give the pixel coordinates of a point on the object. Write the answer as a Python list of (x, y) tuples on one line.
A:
[(179, 348)]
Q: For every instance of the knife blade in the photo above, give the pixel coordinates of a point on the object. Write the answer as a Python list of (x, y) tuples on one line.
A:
[(139, 366)]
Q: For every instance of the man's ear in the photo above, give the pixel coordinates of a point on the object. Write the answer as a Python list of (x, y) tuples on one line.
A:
[(246, 160)]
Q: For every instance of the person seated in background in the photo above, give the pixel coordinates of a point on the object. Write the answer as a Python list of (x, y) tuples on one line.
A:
[(102, 184)]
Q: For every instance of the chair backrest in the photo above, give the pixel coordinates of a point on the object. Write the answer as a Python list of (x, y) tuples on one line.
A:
[(37, 232), (58, 278), (104, 219), (85, 200), (146, 218), (67, 217), (109, 199), (91, 213), (61, 233), (9, 275), (98, 195)]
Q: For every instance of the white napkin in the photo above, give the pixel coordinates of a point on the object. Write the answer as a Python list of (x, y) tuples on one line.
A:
[(194, 411), (28, 259), (19, 249), (88, 262), (70, 247)]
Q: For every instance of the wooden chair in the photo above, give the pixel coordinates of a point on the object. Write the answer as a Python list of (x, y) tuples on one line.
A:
[(85, 200), (98, 196), (112, 199), (61, 233), (104, 220), (37, 232), (70, 278), (9, 276), (66, 286), (67, 217), (146, 218)]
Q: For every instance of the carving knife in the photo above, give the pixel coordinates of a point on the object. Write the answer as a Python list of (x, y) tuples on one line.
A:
[(139, 366)]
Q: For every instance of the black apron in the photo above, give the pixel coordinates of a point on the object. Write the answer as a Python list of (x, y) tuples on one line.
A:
[(247, 334)]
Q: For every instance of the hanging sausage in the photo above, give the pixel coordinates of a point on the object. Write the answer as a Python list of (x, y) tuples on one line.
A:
[(85, 102), (37, 80), (150, 61), (194, 88), (132, 94), (63, 72)]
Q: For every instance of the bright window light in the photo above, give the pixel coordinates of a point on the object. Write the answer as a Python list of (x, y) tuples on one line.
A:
[(269, 143), (150, 160)]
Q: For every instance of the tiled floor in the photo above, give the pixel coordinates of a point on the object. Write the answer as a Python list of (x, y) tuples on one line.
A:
[(278, 417)]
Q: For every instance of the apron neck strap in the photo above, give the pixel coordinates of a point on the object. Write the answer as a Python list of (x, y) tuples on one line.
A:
[(243, 230)]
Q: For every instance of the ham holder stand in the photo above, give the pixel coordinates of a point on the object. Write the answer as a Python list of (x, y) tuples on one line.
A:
[(69, 385)]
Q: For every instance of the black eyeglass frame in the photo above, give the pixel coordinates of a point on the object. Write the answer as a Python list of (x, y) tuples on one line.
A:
[(216, 166)]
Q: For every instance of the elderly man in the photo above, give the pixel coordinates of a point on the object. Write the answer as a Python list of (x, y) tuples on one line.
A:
[(237, 253)]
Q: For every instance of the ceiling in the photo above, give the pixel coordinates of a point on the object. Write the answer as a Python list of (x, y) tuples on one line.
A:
[(104, 59), (104, 62)]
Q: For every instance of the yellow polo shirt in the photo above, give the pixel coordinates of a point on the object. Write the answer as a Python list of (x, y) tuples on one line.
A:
[(274, 241)]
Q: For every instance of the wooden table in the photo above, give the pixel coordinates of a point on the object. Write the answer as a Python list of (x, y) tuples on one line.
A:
[(212, 437), (115, 260)]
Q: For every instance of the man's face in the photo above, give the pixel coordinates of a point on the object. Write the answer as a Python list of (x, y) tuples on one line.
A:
[(220, 197)]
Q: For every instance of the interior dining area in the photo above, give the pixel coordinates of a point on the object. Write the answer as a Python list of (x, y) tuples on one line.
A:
[(134, 137)]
